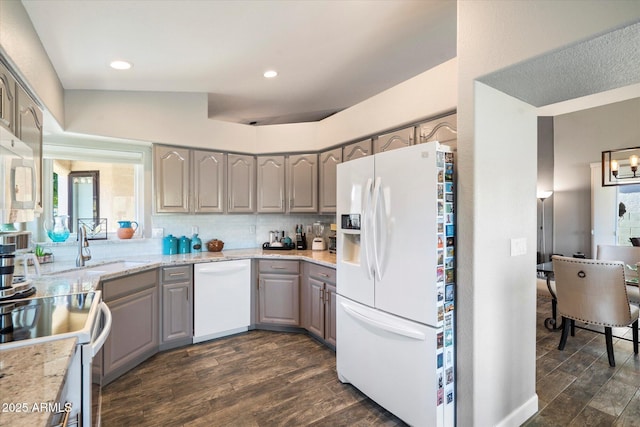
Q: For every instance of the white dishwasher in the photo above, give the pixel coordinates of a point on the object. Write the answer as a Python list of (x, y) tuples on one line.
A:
[(222, 299)]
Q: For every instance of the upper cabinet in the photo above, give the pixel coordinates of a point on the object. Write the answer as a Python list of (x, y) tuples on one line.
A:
[(28, 128), (302, 183), (271, 184), (171, 179), (7, 99), (241, 178), (209, 175), (394, 140), (329, 161), (444, 129), (356, 150)]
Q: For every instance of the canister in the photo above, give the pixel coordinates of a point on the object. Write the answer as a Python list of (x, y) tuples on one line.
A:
[(169, 245), (184, 245), (196, 244)]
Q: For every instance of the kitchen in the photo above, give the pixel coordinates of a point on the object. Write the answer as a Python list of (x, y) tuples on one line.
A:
[(472, 63)]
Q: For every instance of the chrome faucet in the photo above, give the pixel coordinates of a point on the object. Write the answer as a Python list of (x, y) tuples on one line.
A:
[(83, 247)]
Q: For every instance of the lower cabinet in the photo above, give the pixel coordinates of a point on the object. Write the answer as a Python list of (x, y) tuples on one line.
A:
[(177, 306), (133, 301), (320, 302), (279, 292)]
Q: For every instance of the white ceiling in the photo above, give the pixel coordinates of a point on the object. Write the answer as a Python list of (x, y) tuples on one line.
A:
[(329, 54)]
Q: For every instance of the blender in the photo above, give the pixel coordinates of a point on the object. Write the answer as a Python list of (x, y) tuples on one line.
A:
[(318, 241)]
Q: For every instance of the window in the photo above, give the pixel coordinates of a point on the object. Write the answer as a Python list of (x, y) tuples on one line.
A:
[(82, 179)]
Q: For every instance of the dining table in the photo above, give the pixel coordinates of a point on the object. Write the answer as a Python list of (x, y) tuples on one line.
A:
[(546, 269)]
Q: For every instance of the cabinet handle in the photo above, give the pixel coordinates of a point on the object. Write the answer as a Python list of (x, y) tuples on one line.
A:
[(323, 274), (275, 267), (291, 203), (322, 296), (176, 274)]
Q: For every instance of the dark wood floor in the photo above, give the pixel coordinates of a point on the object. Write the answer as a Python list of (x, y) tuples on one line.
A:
[(577, 387), (264, 378), (259, 378)]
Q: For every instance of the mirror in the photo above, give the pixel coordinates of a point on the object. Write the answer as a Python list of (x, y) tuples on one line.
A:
[(84, 201)]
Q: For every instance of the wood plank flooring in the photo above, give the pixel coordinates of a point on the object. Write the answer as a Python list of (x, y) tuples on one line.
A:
[(259, 378), (264, 378)]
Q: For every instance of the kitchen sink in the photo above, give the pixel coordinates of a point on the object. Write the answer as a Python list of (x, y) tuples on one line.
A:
[(91, 271)]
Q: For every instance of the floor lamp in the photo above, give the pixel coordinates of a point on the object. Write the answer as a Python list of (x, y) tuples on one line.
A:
[(544, 195)]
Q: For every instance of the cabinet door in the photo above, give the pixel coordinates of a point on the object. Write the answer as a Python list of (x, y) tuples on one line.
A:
[(444, 129), (241, 179), (303, 183), (329, 161), (315, 307), (209, 175), (28, 128), (7, 99), (134, 332), (176, 312), (330, 314), (356, 150), (271, 178), (394, 140), (171, 179), (279, 299)]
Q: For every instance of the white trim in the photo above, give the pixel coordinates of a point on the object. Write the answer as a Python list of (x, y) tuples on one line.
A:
[(520, 415)]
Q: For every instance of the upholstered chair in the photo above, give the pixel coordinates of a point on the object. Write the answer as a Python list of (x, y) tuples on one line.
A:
[(630, 255), (594, 292)]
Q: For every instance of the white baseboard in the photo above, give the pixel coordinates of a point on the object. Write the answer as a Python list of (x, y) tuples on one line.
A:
[(521, 414)]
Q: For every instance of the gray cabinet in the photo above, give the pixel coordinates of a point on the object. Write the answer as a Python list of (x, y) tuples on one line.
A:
[(444, 129), (356, 150), (394, 140), (171, 179), (329, 161), (302, 183), (7, 99), (28, 128), (188, 181), (209, 186), (320, 302), (241, 179), (279, 292), (177, 305), (133, 301), (271, 184)]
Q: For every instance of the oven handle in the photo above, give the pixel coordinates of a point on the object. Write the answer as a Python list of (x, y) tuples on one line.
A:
[(97, 344)]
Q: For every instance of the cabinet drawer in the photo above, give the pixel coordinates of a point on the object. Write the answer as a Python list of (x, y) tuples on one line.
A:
[(279, 266), (322, 273), (176, 274), (116, 288)]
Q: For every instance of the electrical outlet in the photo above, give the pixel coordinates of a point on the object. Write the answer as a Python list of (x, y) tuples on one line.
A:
[(252, 229), (309, 229), (157, 232)]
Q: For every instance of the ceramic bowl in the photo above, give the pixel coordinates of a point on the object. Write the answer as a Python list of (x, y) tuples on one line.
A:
[(215, 245)]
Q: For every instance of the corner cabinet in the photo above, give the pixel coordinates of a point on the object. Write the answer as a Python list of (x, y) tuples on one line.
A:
[(302, 181), (241, 178), (279, 292), (271, 184), (133, 301), (320, 302), (329, 161), (188, 181), (177, 303), (394, 140)]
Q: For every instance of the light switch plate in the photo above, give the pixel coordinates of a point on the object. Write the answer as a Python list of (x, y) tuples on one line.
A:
[(157, 232), (518, 246)]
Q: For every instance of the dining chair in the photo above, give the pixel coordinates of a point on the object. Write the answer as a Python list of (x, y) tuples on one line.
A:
[(594, 292), (630, 255)]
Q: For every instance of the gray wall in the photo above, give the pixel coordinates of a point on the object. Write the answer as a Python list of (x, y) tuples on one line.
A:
[(580, 138)]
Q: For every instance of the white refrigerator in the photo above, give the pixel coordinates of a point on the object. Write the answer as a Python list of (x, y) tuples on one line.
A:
[(396, 281)]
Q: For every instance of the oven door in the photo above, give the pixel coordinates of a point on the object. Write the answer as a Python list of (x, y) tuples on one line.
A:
[(91, 391)]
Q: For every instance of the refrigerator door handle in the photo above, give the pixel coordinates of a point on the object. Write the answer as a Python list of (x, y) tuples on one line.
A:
[(376, 227), (365, 228), (394, 329)]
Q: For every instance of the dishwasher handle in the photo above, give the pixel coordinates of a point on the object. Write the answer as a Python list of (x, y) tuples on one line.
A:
[(97, 343), (221, 269)]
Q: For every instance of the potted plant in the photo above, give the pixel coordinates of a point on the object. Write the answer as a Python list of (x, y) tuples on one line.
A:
[(44, 256)]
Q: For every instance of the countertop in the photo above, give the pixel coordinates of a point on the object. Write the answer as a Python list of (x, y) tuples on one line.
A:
[(34, 373), (31, 378)]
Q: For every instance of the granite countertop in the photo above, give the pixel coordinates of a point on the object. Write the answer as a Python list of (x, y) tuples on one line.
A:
[(31, 378)]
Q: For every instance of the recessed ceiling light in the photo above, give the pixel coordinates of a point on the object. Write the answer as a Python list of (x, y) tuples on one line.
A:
[(270, 74), (120, 65)]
